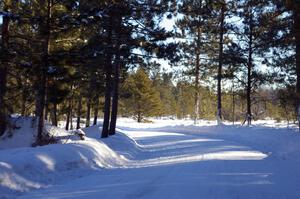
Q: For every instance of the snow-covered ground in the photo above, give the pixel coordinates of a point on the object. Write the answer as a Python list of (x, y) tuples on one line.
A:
[(164, 159)]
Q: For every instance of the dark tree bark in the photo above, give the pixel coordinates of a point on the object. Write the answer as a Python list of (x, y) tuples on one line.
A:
[(139, 119), (46, 112), (108, 88), (107, 102), (233, 103), (54, 114), (88, 111), (222, 18), (115, 99), (68, 118), (79, 106), (69, 113), (96, 110), (3, 71), (71, 117), (41, 92), (23, 104), (197, 74), (297, 36), (116, 80), (249, 71)]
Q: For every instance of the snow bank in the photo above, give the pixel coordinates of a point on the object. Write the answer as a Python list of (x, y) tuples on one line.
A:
[(23, 131), (23, 168), (162, 143)]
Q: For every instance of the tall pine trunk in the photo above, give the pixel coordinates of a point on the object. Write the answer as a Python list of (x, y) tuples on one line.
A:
[(108, 88), (68, 116), (96, 110), (88, 111), (139, 117), (54, 114), (79, 106), (107, 102), (23, 103), (197, 73), (116, 80), (297, 36), (222, 18), (233, 103), (71, 116), (249, 71), (115, 98), (41, 92), (69, 112), (46, 112), (3, 72)]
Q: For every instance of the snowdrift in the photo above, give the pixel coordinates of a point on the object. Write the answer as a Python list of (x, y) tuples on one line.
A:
[(139, 149), (23, 168), (22, 133)]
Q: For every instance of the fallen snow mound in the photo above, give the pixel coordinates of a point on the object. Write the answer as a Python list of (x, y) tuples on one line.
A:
[(23, 169), (22, 133)]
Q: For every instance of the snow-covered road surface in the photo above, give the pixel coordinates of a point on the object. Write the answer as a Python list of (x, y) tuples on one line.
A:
[(191, 162)]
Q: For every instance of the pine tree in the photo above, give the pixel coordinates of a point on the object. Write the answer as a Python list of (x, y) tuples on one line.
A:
[(142, 99), (255, 19), (197, 27), (220, 66), (287, 42), (164, 85), (4, 57), (225, 10), (145, 37)]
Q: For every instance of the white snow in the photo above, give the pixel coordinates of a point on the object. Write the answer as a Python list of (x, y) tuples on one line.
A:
[(164, 159)]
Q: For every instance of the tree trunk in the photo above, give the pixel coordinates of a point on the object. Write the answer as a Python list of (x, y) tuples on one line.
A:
[(68, 118), (197, 73), (115, 96), (24, 100), (297, 36), (219, 111), (233, 103), (105, 128), (96, 109), (71, 116), (41, 92), (139, 119), (3, 71), (88, 111), (69, 113), (108, 88), (79, 106), (40, 106), (249, 72), (23, 104), (54, 114)]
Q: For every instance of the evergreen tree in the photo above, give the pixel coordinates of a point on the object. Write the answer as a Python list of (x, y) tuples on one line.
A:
[(225, 11), (255, 19), (4, 60), (142, 99), (286, 36), (197, 32)]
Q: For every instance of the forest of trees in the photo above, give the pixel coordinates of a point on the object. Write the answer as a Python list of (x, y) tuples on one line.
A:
[(234, 60)]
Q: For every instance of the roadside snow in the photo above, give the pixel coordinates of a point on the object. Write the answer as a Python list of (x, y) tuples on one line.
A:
[(164, 159), (23, 133)]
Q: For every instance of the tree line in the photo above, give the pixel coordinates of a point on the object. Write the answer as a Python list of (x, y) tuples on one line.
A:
[(146, 93), (58, 56)]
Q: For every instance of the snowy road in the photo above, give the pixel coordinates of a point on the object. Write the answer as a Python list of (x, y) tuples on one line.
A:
[(189, 164)]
